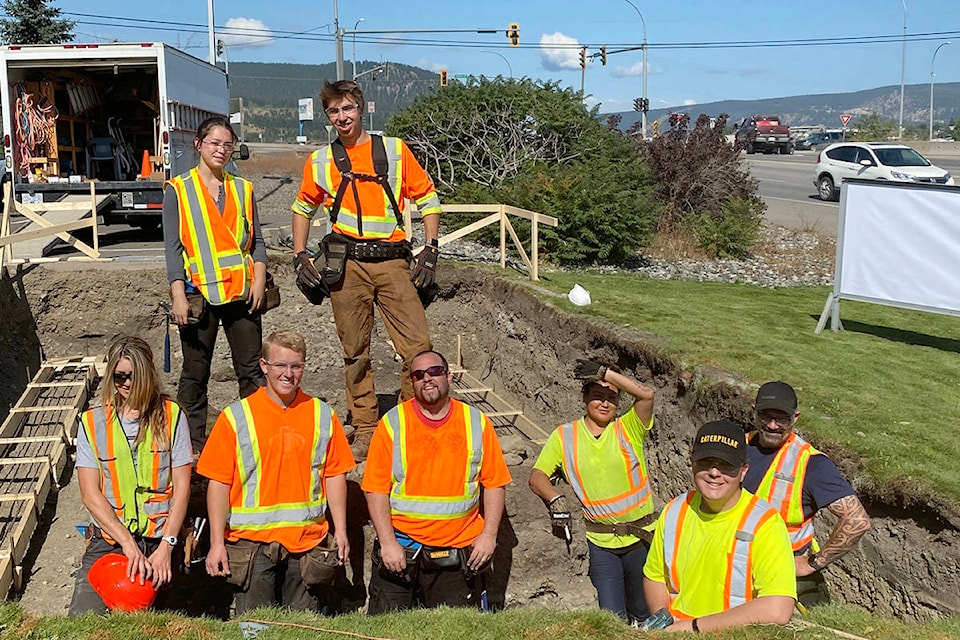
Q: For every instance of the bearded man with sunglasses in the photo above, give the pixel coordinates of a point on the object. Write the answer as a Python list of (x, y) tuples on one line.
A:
[(720, 556), (276, 460), (362, 182), (434, 482), (601, 456), (799, 481)]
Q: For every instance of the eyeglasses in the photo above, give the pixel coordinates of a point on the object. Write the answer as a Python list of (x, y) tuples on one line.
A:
[(727, 469), (782, 421), (120, 377), (283, 366), (226, 146), (347, 110), (603, 396), (435, 371)]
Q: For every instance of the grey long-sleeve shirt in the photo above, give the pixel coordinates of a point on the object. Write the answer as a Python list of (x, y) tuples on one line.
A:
[(173, 247)]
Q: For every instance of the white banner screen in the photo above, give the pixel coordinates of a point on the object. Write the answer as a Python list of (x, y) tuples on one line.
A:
[(899, 244)]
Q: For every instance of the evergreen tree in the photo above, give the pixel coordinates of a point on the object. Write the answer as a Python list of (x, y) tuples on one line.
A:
[(34, 22)]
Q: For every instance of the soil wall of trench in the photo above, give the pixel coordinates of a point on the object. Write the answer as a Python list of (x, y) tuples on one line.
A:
[(907, 566)]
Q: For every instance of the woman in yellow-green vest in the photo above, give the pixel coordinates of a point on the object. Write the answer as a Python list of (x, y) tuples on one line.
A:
[(133, 466), (217, 269), (601, 456)]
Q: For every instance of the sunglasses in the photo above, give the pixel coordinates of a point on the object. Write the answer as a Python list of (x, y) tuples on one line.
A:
[(435, 372), (120, 377)]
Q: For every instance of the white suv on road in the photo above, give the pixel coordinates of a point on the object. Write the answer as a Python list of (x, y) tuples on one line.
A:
[(872, 161)]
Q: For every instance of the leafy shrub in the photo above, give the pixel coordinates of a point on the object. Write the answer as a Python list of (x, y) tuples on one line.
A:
[(732, 233)]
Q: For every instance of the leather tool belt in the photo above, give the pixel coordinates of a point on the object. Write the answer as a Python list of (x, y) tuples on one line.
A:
[(634, 528)]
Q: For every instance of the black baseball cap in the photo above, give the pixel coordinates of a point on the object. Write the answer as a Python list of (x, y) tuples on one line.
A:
[(777, 395), (720, 439)]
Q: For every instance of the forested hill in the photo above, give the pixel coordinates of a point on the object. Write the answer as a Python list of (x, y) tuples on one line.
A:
[(271, 92)]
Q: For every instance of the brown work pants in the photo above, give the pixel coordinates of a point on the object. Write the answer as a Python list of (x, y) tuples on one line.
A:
[(387, 285)]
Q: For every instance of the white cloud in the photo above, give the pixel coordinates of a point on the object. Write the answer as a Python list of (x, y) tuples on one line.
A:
[(558, 52), (689, 102), (246, 32), (423, 63), (632, 71)]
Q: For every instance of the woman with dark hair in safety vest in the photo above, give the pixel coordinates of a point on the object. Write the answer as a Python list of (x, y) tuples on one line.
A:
[(217, 269), (133, 464), (601, 456)]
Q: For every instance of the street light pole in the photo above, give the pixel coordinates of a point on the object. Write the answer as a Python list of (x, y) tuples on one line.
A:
[(339, 38), (210, 35), (932, 61), (903, 67), (356, 24), (643, 48), (509, 66)]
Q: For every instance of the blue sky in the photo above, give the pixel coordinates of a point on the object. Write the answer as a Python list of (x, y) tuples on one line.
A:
[(300, 31)]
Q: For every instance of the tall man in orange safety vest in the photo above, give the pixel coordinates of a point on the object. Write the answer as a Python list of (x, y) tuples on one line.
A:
[(720, 556), (276, 460), (799, 481), (434, 482), (362, 182)]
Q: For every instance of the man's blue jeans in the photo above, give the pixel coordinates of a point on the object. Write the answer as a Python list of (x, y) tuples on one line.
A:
[(617, 575)]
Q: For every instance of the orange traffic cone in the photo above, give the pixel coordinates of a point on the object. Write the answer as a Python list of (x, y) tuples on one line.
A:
[(145, 169)]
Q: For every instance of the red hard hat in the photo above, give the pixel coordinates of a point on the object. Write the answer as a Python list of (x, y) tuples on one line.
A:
[(108, 577)]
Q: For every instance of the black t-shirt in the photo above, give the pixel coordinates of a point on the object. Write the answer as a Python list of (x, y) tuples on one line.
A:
[(822, 485)]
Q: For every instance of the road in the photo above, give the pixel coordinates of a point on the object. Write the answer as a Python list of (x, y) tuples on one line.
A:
[(786, 185)]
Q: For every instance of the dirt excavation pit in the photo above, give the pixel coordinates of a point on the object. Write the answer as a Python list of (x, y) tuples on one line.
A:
[(908, 566)]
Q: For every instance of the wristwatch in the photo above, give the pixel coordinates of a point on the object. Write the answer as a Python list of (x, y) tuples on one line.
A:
[(812, 561), (170, 540)]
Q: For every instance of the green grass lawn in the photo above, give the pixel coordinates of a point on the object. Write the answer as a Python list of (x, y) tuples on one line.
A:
[(446, 624), (887, 389)]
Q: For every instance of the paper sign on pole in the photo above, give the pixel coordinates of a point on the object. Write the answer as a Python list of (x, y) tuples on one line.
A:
[(371, 107), (845, 118), (305, 108)]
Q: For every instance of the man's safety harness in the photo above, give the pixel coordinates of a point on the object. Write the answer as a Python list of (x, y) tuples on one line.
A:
[(380, 165)]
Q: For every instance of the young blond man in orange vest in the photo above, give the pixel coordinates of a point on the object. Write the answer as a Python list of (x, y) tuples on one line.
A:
[(601, 456), (366, 217), (276, 460), (720, 556), (799, 481), (432, 462)]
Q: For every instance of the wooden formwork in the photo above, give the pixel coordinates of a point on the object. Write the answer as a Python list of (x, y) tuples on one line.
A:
[(33, 452)]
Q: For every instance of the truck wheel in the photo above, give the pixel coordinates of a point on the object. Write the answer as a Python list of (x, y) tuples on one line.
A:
[(750, 149), (826, 188)]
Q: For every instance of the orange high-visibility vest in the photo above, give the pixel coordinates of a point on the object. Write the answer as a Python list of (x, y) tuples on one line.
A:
[(605, 501), (139, 495), (254, 510), (738, 584), (216, 248), (435, 507), (782, 487)]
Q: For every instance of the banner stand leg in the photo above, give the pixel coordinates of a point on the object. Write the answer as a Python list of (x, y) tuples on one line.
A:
[(831, 309)]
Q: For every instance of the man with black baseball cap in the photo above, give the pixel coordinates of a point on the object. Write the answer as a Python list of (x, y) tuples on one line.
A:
[(720, 556), (799, 481)]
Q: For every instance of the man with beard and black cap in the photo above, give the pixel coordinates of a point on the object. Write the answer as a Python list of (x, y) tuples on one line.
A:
[(799, 481), (720, 556)]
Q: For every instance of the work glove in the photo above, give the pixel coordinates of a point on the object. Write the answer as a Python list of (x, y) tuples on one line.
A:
[(559, 518), (425, 267), (589, 370), (307, 274)]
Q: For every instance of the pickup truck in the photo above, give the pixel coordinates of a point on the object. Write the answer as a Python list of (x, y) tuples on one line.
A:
[(764, 134)]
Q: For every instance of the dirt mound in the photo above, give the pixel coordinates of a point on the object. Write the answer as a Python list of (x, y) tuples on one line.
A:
[(906, 566)]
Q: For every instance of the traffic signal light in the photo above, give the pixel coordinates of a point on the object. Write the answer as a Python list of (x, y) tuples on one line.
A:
[(443, 77), (638, 104), (603, 55), (219, 47), (583, 58), (513, 34), (656, 128)]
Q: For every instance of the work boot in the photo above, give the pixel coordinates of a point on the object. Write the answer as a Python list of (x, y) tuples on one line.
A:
[(349, 430), (361, 443)]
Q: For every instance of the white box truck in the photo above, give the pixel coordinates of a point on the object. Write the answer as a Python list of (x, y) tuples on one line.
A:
[(73, 113)]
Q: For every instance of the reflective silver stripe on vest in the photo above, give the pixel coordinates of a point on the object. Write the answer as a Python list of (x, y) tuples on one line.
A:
[(742, 546), (433, 505), (671, 525), (805, 532), (240, 199), (608, 510), (100, 427), (252, 514), (783, 482)]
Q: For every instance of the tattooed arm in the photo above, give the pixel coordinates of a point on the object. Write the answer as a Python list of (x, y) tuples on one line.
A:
[(852, 524)]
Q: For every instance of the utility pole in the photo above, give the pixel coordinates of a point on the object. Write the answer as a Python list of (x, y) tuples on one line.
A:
[(210, 35), (339, 38), (903, 68), (643, 48)]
